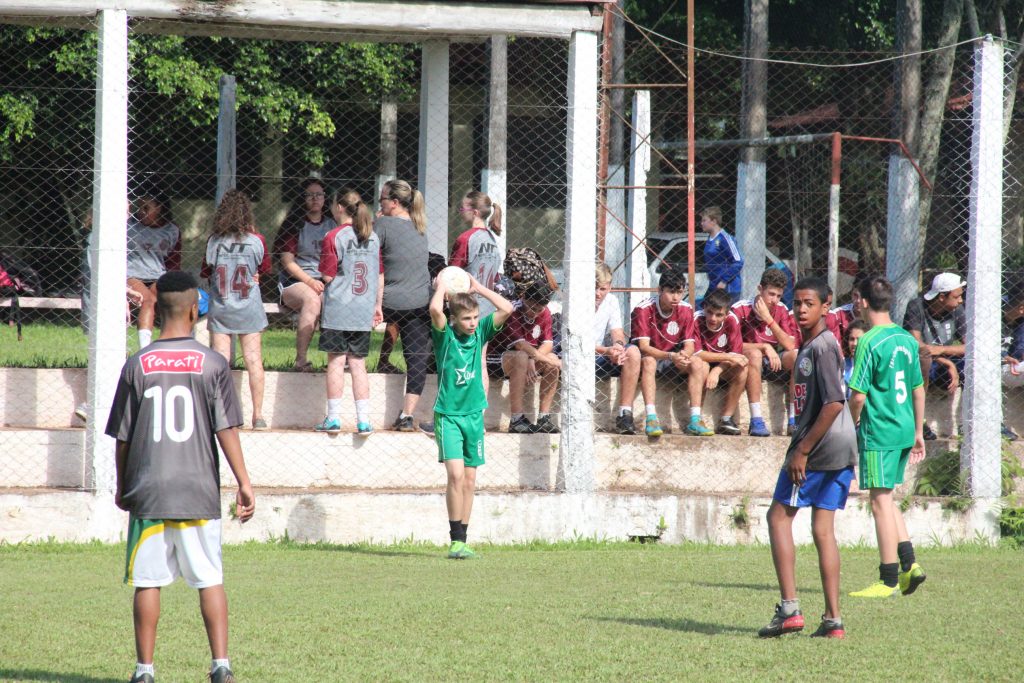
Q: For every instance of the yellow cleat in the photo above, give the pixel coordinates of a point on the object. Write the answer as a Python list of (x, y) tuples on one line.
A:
[(876, 590), (911, 579)]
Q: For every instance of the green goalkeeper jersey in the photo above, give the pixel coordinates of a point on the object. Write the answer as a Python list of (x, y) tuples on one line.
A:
[(887, 370), (460, 387)]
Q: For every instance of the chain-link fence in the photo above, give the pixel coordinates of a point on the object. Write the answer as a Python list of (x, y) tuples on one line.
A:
[(292, 122), (827, 182)]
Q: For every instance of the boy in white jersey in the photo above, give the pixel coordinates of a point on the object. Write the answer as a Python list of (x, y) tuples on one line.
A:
[(461, 400), (175, 402)]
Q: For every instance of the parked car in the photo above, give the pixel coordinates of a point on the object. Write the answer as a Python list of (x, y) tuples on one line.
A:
[(671, 248)]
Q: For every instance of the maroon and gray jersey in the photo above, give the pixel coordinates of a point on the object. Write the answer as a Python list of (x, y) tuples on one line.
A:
[(304, 242), (351, 297), (172, 399), (817, 381), (754, 330), (152, 251), (232, 264), (476, 251)]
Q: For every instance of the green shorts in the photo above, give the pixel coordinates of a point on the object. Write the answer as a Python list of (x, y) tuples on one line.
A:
[(882, 469), (460, 437)]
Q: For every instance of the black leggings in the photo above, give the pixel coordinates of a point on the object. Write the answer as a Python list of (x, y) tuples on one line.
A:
[(414, 329)]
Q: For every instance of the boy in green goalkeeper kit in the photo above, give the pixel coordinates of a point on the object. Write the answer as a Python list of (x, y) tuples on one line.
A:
[(887, 403), (461, 400)]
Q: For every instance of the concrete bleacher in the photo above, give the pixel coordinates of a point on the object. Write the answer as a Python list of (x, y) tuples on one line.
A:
[(342, 488), (45, 441), (46, 398)]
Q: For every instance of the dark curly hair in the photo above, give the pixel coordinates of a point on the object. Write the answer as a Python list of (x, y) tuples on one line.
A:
[(234, 215)]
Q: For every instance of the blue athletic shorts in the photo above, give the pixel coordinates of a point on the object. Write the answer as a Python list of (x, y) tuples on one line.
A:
[(825, 490)]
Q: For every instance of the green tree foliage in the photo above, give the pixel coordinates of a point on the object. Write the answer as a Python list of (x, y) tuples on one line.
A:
[(289, 88)]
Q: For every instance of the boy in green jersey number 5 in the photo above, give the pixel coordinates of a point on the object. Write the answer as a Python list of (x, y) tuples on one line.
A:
[(887, 403), (461, 400)]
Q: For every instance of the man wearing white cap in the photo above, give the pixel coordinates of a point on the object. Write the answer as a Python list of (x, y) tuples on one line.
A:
[(938, 322)]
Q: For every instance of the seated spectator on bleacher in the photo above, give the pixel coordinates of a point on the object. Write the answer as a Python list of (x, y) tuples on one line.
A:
[(615, 358), (854, 331), (1013, 337), (154, 247), (938, 321), (663, 329), (768, 338), (298, 245), (838, 319), (524, 353), (720, 345)]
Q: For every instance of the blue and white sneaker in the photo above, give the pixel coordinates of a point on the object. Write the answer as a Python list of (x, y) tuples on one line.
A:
[(328, 426), (364, 429), (758, 427), (427, 428)]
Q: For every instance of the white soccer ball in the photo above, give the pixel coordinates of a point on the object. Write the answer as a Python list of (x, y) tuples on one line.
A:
[(455, 279)]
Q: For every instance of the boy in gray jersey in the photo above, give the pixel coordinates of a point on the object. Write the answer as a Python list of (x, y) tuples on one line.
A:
[(818, 467), (175, 402)]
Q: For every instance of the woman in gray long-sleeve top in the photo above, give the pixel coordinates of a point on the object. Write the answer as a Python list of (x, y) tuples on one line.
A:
[(402, 230)]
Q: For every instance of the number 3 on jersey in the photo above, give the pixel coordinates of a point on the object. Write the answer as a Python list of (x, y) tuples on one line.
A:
[(359, 283)]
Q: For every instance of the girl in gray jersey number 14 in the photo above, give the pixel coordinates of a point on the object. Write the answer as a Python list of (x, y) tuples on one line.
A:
[(236, 256)]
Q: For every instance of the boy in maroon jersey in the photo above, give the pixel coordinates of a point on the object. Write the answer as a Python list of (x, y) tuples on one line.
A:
[(525, 349), (720, 345), (767, 331), (662, 328)]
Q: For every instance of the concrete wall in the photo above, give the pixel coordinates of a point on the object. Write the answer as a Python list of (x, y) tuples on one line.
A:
[(498, 518)]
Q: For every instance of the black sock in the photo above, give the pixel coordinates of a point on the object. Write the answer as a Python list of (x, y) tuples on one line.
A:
[(465, 531), (905, 549), (889, 574), (455, 530)]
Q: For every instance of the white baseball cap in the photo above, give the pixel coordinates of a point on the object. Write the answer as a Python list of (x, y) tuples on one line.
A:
[(942, 283)]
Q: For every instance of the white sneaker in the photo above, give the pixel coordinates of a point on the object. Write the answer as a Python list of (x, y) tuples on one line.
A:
[(82, 411)]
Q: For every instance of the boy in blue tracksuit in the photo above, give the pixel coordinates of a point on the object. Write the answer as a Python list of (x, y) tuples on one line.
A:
[(722, 259)]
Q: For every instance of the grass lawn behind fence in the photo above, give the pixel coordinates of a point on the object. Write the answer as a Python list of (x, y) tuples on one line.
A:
[(47, 345), (582, 611)]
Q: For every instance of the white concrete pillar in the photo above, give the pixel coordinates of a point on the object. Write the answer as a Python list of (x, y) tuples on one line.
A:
[(107, 333), (616, 236), (576, 444), (980, 454), (493, 180), (903, 238), (433, 147), (751, 186), (833, 241), (386, 168), (226, 146), (639, 167)]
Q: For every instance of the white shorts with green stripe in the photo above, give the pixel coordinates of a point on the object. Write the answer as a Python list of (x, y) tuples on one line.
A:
[(161, 550)]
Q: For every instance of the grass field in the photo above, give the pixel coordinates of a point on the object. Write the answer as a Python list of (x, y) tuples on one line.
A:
[(47, 345), (586, 611)]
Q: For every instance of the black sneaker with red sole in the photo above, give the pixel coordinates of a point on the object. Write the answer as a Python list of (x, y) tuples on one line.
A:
[(781, 624), (829, 629)]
